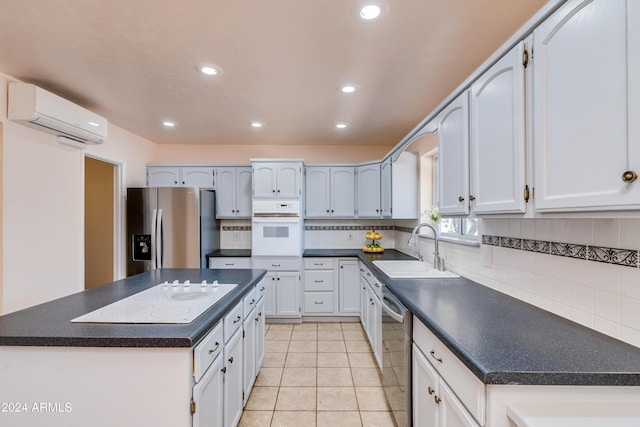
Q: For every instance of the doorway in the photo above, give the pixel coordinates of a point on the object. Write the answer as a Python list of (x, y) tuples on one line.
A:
[(100, 179)]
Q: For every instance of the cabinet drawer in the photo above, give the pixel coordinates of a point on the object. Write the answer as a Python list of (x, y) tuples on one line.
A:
[(249, 302), (318, 302), (318, 280), (206, 351), (469, 389), (230, 262), (261, 288), (319, 264), (233, 321), (274, 264)]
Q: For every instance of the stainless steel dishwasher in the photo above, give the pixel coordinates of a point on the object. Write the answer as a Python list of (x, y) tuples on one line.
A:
[(396, 357)]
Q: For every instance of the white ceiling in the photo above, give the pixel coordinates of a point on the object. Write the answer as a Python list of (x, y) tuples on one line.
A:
[(135, 62)]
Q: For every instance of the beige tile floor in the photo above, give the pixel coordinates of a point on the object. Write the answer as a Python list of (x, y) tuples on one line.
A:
[(317, 374)]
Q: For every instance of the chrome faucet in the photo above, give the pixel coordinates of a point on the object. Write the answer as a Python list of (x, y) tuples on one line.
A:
[(438, 263)]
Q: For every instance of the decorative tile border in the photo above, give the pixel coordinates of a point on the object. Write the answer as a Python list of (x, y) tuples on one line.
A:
[(349, 227), (236, 228), (623, 257)]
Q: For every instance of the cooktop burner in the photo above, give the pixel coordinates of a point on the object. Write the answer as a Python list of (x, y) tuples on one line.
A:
[(164, 303)]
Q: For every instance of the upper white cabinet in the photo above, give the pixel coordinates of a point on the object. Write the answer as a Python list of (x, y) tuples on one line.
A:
[(399, 178), (385, 187), (329, 192), (281, 180), (368, 191), (453, 149), (586, 70), (233, 192), (173, 176), (497, 139)]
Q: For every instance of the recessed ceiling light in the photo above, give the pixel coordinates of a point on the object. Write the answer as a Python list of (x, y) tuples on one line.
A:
[(168, 124), (211, 70), (370, 11), (256, 124), (341, 125), (348, 88)]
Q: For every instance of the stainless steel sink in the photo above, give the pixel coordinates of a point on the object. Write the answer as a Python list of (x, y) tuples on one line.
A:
[(409, 269)]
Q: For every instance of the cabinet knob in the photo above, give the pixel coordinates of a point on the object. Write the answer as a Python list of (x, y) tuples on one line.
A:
[(430, 391), (224, 370), (629, 176), (231, 359), (472, 198), (437, 399), (461, 199)]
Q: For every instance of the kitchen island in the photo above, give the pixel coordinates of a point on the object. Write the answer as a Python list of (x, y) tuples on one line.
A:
[(57, 373)]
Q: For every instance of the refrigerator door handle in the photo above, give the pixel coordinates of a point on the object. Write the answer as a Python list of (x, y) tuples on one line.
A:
[(159, 241), (154, 242)]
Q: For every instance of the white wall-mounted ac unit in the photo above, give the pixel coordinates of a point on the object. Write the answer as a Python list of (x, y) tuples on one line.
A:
[(33, 106)]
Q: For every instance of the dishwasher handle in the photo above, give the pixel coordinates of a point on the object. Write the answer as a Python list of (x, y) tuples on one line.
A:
[(398, 317)]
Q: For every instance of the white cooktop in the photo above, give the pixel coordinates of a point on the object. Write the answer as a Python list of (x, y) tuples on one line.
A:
[(176, 302)]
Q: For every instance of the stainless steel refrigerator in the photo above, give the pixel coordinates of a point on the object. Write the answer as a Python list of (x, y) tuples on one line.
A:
[(170, 227)]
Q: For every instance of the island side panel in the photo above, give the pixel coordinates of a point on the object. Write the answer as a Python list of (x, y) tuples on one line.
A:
[(99, 387)]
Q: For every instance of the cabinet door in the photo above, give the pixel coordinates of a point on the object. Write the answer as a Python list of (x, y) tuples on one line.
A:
[(368, 191), (196, 177), (243, 192), (233, 400), (385, 187), (452, 412), (288, 294), (363, 302), (498, 136), (163, 176), (208, 396), (269, 282), (249, 354), (342, 192), (318, 203), (453, 149), (425, 389), (585, 76), (226, 192), (260, 334), (289, 180), (377, 330), (349, 286), (264, 180)]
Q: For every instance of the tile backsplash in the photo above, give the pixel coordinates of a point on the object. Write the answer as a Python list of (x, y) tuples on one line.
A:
[(346, 234), (235, 234), (585, 270)]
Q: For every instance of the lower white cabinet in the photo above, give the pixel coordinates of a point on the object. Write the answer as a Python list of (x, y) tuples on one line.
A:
[(233, 385), (282, 294), (260, 332), (434, 404), (208, 396), (349, 289), (249, 354)]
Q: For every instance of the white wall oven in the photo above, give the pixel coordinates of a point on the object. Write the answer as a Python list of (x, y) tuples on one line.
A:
[(276, 228)]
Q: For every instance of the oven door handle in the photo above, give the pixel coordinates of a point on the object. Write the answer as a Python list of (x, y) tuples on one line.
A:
[(395, 316)]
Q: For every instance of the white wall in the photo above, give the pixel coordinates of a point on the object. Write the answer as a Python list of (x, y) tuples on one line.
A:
[(43, 208), (601, 296)]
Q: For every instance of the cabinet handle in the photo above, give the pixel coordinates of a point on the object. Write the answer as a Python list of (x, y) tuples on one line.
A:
[(461, 199), (430, 391), (214, 348), (275, 265), (224, 370), (437, 399), (318, 281), (237, 320), (231, 359), (262, 289), (433, 354), (253, 301), (629, 176), (472, 198), (229, 264), (318, 302)]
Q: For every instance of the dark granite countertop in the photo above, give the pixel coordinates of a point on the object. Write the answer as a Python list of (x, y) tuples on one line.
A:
[(229, 253), (49, 324), (503, 340)]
